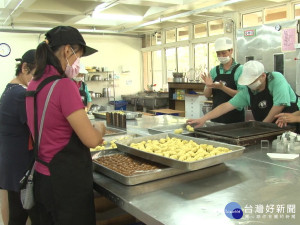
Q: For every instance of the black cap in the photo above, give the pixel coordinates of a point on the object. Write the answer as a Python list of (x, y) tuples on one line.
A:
[(28, 57), (63, 35)]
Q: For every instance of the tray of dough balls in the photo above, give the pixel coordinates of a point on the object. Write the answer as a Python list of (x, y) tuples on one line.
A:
[(179, 128), (109, 143), (129, 169), (179, 151)]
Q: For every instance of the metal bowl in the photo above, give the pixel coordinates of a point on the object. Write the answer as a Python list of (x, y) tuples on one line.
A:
[(95, 77), (175, 74)]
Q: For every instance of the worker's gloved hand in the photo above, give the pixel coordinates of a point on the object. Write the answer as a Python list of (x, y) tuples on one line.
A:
[(217, 85), (196, 122)]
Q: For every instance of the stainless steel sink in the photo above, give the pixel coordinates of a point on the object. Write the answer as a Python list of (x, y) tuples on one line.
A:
[(149, 100)]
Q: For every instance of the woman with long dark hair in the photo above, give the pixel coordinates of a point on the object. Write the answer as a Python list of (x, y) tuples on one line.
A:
[(63, 169)]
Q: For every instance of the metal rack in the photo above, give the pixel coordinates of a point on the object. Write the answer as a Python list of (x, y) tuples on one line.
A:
[(108, 80)]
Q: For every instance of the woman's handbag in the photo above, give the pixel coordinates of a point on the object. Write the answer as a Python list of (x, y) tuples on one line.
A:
[(27, 182), (27, 197)]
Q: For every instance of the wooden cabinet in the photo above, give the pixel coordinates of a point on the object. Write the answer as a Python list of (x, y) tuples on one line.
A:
[(177, 92)]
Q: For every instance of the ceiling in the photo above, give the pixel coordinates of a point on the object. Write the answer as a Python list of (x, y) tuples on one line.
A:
[(41, 15)]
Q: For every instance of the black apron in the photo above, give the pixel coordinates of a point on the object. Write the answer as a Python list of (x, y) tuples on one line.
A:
[(220, 97), (83, 93), (262, 102), (71, 177)]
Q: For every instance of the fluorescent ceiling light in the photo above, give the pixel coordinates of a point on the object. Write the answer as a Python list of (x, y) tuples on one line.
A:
[(125, 18), (106, 5)]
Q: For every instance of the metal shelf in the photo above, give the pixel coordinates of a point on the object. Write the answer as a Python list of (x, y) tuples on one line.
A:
[(108, 83)]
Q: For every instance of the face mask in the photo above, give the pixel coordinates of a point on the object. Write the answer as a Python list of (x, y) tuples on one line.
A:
[(72, 71), (78, 79), (224, 60), (255, 85)]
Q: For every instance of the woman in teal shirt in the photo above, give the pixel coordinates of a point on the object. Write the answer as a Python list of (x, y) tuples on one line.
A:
[(83, 90), (268, 94)]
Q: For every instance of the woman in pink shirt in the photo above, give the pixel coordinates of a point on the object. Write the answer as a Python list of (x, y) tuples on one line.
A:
[(63, 170)]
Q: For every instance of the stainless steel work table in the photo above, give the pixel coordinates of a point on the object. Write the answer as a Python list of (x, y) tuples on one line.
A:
[(200, 197), (140, 125)]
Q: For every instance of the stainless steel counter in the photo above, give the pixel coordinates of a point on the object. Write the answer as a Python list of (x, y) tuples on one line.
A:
[(200, 197), (140, 125)]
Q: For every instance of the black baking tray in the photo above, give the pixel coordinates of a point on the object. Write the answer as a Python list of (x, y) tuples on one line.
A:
[(243, 133)]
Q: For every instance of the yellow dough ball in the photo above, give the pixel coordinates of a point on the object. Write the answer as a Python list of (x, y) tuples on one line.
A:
[(190, 128), (178, 131)]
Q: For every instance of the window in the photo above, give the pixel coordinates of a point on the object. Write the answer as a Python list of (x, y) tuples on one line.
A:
[(170, 36), (171, 63), (215, 27), (279, 63), (183, 33), (201, 61), (252, 19), (156, 38), (276, 14), (147, 66), (200, 30), (297, 11), (157, 70), (183, 59), (212, 56)]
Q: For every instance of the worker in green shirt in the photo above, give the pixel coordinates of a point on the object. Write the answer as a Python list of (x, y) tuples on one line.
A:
[(83, 90), (268, 94), (221, 82)]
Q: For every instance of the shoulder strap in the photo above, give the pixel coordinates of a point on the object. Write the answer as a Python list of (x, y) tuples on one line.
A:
[(234, 68), (38, 132), (41, 130), (41, 85), (83, 85), (218, 70), (44, 112)]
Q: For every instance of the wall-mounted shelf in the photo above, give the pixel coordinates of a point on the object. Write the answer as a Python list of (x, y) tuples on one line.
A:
[(106, 84)]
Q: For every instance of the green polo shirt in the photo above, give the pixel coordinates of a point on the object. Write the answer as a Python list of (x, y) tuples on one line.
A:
[(88, 95), (237, 74), (279, 88)]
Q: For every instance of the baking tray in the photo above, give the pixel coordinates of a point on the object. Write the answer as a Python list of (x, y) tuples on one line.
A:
[(168, 129), (129, 114), (172, 128), (139, 178), (115, 131), (236, 152), (100, 115), (115, 138), (243, 133)]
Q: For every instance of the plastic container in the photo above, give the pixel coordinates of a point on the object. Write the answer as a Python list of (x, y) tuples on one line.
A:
[(119, 105), (274, 143), (173, 114)]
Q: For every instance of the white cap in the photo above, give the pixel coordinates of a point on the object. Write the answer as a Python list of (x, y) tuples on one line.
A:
[(223, 43), (82, 69), (251, 71)]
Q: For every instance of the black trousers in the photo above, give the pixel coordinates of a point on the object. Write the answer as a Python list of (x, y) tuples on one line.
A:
[(18, 215)]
